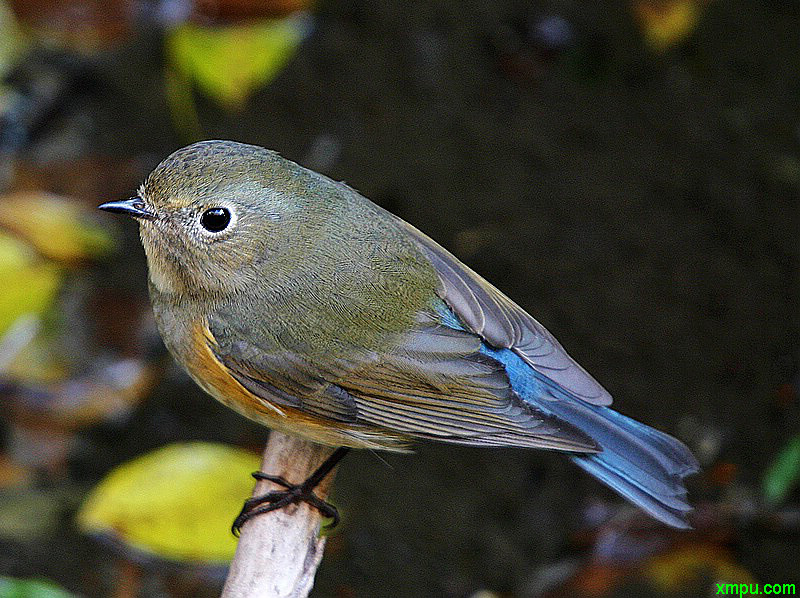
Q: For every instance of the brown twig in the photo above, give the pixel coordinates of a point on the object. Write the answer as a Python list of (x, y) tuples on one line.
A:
[(279, 552)]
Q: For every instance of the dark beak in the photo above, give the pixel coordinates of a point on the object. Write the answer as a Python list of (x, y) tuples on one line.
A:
[(131, 207)]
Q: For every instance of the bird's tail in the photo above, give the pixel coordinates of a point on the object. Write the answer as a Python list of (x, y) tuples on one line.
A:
[(640, 463)]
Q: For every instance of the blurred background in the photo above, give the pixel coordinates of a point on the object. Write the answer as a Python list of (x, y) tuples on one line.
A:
[(628, 172)]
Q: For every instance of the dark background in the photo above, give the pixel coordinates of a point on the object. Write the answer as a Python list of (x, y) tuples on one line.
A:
[(641, 204)]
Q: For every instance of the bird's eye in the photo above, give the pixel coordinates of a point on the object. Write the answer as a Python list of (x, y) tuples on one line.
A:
[(215, 220)]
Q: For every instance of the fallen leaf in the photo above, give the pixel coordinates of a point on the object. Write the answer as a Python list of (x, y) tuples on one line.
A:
[(86, 26), (723, 473), (693, 565), (177, 502)]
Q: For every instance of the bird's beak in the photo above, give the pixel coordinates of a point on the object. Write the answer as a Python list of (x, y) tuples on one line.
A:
[(132, 207)]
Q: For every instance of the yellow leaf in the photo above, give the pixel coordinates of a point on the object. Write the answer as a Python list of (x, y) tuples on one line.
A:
[(12, 42), (693, 564), (177, 502), (229, 62), (59, 228), (29, 283), (666, 23)]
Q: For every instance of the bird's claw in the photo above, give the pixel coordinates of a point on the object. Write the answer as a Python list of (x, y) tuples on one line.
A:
[(278, 499)]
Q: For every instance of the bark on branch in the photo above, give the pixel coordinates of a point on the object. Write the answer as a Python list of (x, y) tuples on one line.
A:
[(279, 552)]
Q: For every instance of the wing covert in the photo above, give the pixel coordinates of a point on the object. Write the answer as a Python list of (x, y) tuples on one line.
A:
[(503, 324)]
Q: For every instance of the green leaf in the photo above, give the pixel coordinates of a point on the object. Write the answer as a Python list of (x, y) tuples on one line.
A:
[(177, 502), (229, 62), (30, 588), (29, 283), (12, 41), (783, 474)]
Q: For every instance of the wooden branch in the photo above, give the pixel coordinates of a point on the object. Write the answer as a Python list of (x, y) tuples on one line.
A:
[(279, 552)]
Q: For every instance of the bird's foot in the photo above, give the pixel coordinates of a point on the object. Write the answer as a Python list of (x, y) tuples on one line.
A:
[(278, 499), (294, 494)]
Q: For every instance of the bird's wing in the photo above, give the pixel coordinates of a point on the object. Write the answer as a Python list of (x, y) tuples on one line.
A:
[(488, 313), (432, 383)]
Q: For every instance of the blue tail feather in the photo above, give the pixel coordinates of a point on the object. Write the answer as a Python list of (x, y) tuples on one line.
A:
[(672, 512), (642, 464)]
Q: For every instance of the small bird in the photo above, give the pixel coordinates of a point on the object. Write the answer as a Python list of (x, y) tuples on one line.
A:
[(299, 303)]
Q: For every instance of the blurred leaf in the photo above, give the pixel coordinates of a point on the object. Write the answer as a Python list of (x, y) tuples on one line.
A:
[(11, 40), (86, 26), (229, 62), (16, 339), (41, 448), (27, 514), (104, 392), (30, 588), (239, 10), (683, 570), (723, 473), (178, 90), (29, 283), (109, 391), (667, 23), (177, 502), (12, 473), (44, 415), (596, 580), (40, 362), (59, 228), (783, 474)]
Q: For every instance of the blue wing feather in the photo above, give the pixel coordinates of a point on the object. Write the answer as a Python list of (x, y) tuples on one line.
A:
[(643, 465)]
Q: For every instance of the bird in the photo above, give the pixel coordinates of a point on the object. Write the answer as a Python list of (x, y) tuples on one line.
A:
[(304, 306)]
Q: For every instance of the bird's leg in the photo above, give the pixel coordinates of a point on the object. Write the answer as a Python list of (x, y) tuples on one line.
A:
[(294, 493)]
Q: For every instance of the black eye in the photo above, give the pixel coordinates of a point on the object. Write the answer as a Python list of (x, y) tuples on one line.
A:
[(215, 219)]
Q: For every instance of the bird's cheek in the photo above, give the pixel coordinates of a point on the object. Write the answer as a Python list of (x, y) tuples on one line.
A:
[(166, 259)]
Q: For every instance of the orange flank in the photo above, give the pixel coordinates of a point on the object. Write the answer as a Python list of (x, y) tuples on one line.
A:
[(215, 379)]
